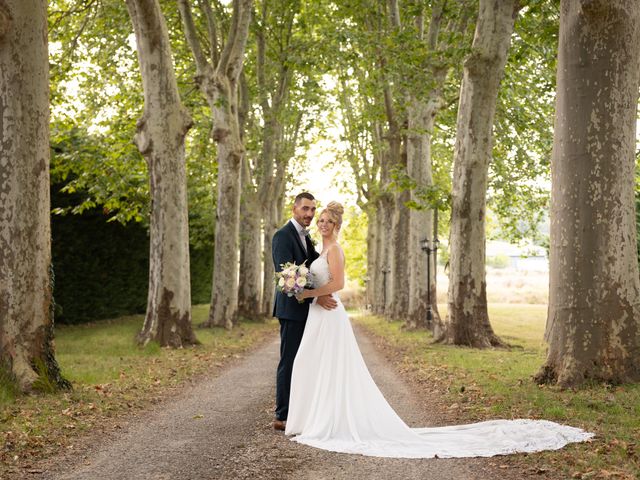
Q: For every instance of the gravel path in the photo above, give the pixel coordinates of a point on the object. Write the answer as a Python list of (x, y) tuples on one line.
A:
[(220, 428)]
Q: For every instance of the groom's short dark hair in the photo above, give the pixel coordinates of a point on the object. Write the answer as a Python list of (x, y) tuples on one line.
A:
[(302, 195)]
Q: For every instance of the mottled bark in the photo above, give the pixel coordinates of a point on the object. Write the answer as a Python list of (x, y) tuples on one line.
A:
[(224, 294), (384, 248), (421, 114), (379, 263), (391, 220), (373, 273), (269, 193), (400, 257), (383, 204), (273, 219), (160, 139), (594, 289), (26, 313), (249, 290), (269, 227), (218, 80), (468, 320)]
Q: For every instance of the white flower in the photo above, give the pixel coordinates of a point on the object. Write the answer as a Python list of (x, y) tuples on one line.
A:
[(303, 270), (281, 282), (290, 283), (301, 281)]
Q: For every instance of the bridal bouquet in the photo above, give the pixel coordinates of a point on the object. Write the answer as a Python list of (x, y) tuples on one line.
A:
[(292, 279)]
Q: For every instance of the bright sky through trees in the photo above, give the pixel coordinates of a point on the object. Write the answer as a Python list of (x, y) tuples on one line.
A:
[(323, 177)]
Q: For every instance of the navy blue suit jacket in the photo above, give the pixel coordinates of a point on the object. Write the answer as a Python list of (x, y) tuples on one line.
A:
[(287, 247)]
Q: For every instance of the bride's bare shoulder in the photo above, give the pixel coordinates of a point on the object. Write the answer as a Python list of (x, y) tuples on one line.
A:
[(336, 249)]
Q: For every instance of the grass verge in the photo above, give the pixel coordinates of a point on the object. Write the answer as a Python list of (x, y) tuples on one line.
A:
[(111, 377), (486, 384)]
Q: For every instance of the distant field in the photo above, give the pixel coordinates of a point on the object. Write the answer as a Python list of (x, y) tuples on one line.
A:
[(507, 286), (504, 285)]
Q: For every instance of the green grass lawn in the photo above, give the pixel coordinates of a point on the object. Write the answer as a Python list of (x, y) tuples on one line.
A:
[(103, 351), (486, 384), (111, 376)]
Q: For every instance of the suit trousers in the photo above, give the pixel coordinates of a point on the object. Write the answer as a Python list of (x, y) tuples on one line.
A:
[(290, 337)]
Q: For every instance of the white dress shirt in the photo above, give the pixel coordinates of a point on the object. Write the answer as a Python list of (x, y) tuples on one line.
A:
[(301, 232)]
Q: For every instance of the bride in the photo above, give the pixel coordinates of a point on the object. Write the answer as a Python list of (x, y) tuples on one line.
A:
[(335, 404)]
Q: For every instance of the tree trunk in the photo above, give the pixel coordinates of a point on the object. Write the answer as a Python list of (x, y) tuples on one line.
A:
[(269, 206), (384, 221), (249, 293), (388, 202), (160, 139), (400, 270), (224, 294), (400, 257), (380, 263), (468, 319), (594, 289), (249, 289), (269, 226), (373, 274), (422, 286), (273, 220), (26, 304)]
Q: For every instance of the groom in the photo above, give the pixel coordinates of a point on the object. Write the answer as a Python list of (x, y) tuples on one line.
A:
[(292, 244)]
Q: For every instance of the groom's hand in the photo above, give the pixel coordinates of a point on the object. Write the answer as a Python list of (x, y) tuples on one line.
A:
[(327, 302)]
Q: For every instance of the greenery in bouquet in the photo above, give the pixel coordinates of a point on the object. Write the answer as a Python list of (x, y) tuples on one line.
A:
[(293, 279)]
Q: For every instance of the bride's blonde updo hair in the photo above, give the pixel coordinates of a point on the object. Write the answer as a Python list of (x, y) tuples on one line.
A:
[(335, 211)]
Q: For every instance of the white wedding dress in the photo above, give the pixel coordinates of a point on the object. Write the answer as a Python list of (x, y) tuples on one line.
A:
[(335, 404)]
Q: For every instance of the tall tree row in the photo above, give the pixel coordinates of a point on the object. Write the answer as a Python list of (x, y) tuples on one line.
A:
[(283, 96), (411, 50), (26, 308), (439, 36), (274, 75), (398, 70), (271, 102), (270, 99), (373, 132)]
